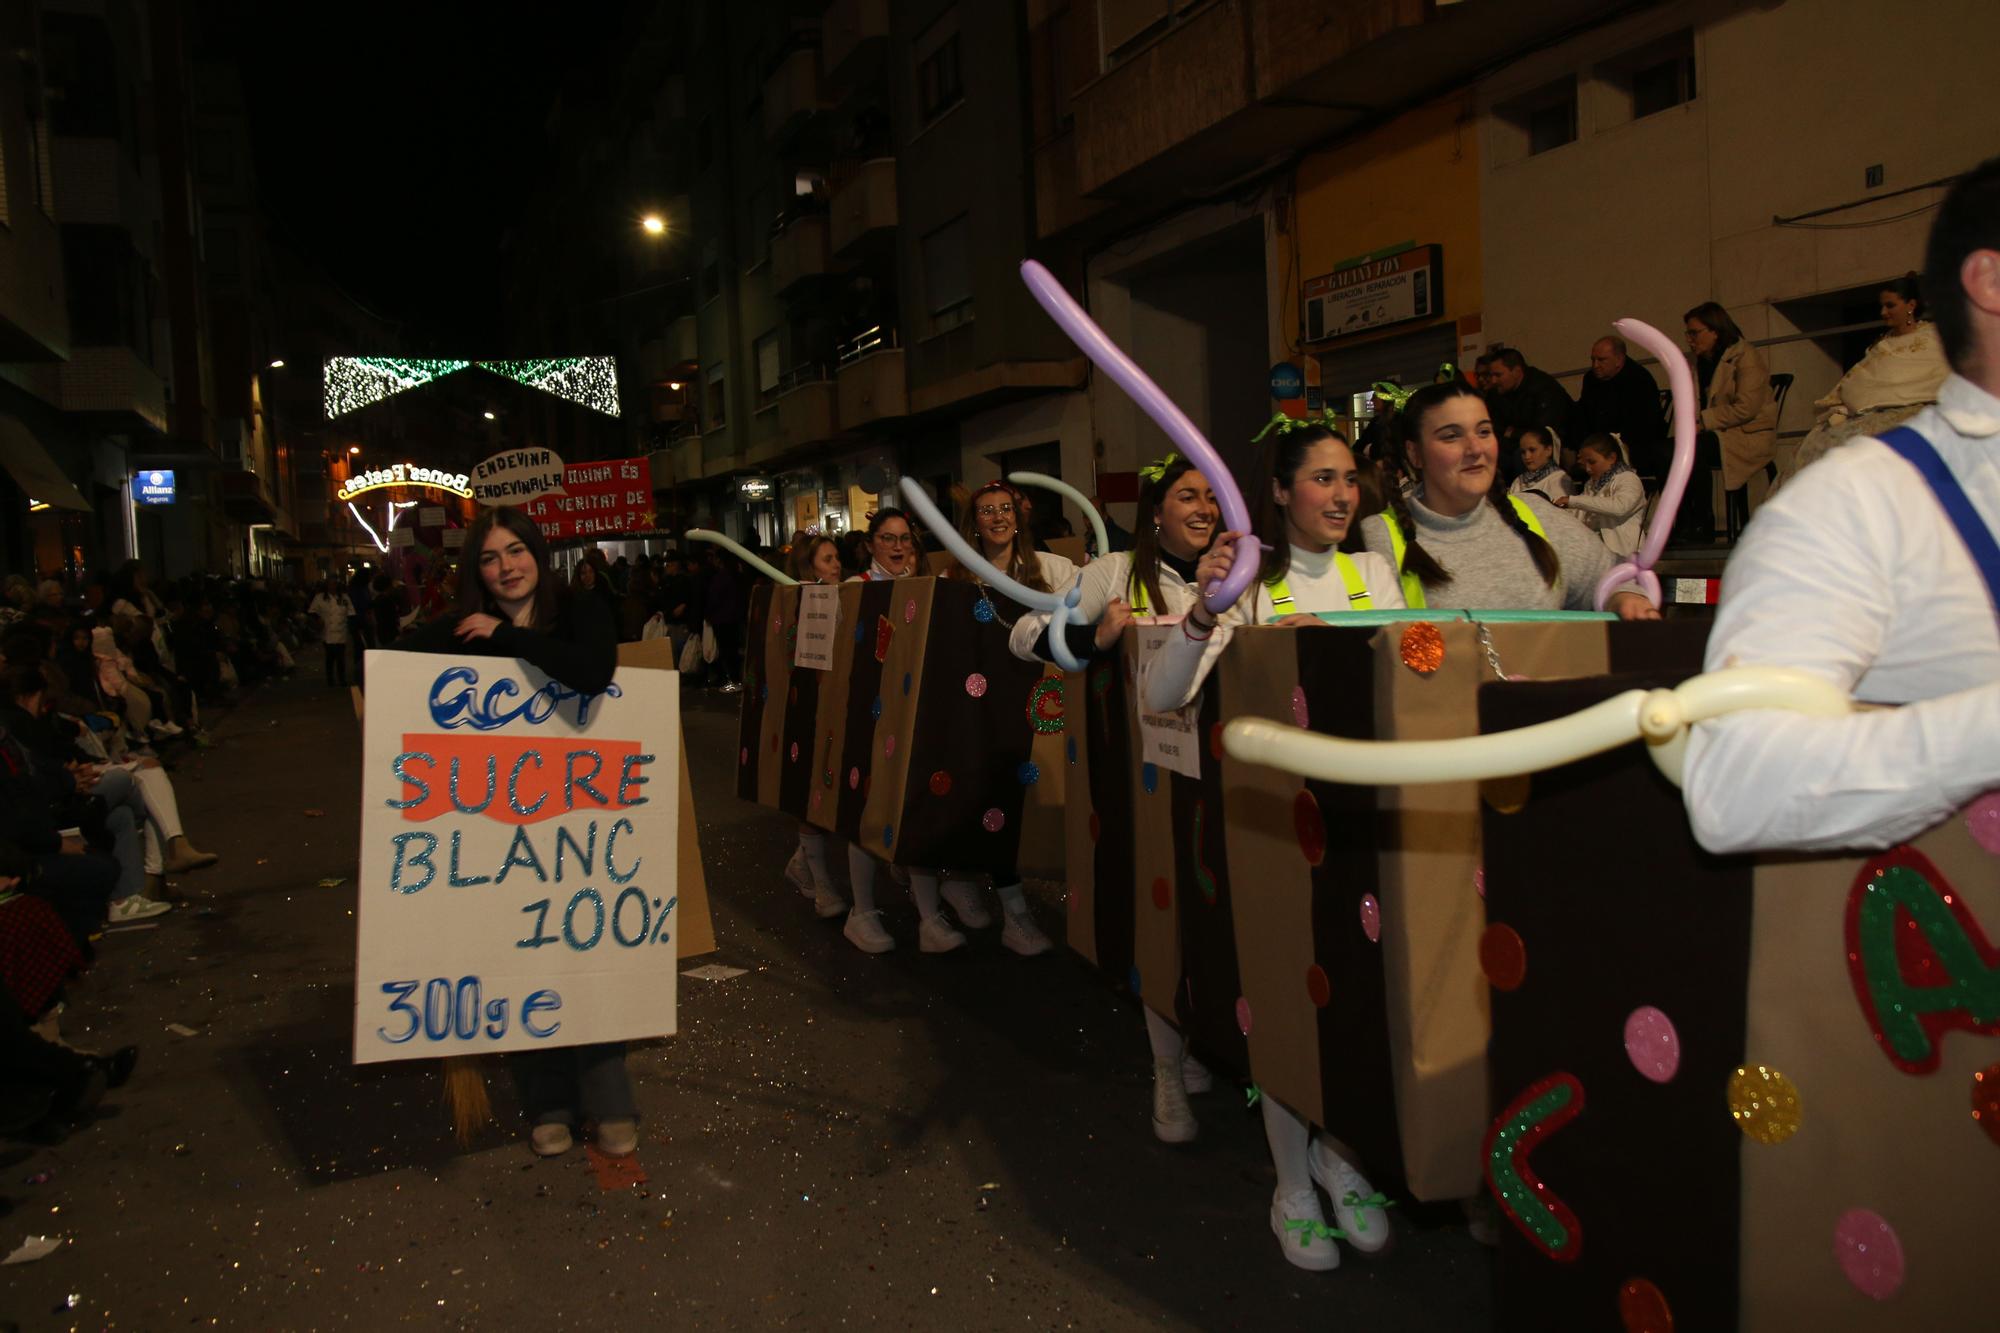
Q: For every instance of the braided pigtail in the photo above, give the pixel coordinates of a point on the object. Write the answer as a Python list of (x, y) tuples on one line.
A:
[(1416, 560), (1543, 553)]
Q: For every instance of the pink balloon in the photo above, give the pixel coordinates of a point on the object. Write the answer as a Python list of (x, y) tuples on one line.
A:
[(1107, 357), (1681, 382), (1870, 1253), (1652, 1044)]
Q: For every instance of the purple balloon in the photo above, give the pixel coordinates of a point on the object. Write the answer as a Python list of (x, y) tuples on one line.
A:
[(1105, 355), (1681, 382)]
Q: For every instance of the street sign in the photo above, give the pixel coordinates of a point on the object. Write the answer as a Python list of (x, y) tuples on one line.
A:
[(153, 488), (1375, 293)]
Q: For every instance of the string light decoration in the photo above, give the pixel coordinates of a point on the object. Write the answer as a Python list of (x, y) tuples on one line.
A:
[(355, 382), (589, 380)]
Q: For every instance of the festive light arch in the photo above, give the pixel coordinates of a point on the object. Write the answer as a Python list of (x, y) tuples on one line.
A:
[(355, 382), (404, 474)]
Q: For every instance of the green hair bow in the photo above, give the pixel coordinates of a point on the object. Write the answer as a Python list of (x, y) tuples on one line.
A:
[(1285, 425), (1398, 396), (1158, 470)]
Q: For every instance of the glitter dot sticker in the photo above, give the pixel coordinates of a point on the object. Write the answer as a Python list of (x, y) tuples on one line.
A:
[(1652, 1044), (1764, 1103), (1070, 748), (1503, 957), (1163, 893), (1371, 918), (940, 783), (889, 745), (1299, 716), (743, 757), (982, 611), (906, 682), (1982, 819), (1309, 827), (795, 752), (1422, 647), (853, 778), (1870, 1253), (1479, 881), (1642, 1309), (1318, 989), (1149, 777), (888, 836), (1243, 1015), (1215, 750), (885, 634), (1029, 774), (993, 820), (975, 685), (860, 634), (909, 610), (1132, 980), (875, 707), (1986, 1101)]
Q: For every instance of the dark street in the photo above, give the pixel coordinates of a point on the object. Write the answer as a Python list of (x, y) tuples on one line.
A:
[(834, 1140)]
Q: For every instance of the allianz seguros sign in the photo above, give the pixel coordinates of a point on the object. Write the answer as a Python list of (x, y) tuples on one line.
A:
[(154, 487), (1376, 291)]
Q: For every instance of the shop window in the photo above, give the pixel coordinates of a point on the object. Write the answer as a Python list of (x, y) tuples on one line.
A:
[(940, 81), (948, 275)]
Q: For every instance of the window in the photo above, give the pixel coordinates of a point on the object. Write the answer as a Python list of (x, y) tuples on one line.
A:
[(1662, 86), (947, 275), (1654, 78), (1551, 126), (940, 84), (1539, 120), (766, 348), (715, 405)]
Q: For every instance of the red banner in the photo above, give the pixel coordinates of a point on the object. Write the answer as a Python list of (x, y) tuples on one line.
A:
[(600, 500)]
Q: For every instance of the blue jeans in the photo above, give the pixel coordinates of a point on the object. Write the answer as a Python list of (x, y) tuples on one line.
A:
[(125, 821), (569, 1084)]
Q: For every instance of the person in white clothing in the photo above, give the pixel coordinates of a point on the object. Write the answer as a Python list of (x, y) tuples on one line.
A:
[(1543, 474), (1302, 516), (1853, 572), (814, 560), (1612, 503), (333, 610)]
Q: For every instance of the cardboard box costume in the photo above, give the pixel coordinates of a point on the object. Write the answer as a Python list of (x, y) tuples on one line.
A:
[(1843, 1178)]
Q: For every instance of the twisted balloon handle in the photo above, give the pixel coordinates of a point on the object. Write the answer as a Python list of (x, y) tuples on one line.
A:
[(1061, 609), (1681, 382), (1074, 496), (736, 548), (1218, 596)]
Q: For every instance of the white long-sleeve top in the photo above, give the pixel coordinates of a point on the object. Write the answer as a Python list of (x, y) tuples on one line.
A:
[(1616, 513), (1854, 573), (1101, 580), (1550, 482), (1174, 674)]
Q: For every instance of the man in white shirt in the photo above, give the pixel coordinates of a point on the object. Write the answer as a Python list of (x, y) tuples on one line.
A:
[(1855, 573)]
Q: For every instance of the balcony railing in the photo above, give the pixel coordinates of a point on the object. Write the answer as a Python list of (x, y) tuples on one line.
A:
[(873, 387)]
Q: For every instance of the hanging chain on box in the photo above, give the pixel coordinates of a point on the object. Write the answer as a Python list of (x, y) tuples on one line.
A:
[(1492, 653)]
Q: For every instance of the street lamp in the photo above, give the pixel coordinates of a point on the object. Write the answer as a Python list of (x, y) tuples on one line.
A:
[(353, 448), (489, 416), (653, 224), (278, 363)]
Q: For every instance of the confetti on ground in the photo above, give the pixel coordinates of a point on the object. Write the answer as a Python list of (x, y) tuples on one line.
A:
[(714, 972), (615, 1173), (182, 1030), (332, 882), (32, 1248)]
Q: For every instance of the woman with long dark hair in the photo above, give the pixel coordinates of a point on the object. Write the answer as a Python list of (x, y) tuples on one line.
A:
[(509, 606)]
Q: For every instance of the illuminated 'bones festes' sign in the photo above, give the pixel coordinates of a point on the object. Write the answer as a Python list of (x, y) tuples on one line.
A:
[(404, 474)]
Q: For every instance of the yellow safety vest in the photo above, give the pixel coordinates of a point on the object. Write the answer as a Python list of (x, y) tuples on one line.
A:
[(1413, 587), (1350, 575)]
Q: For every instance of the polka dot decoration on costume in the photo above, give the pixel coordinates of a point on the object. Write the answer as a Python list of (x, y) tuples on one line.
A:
[(1503, 957), (1869, 1252), (1309, 827), (1215, 748), (982, 611), (1163, 893), (1371, 918), (875, 707), (795, 752), (1422, 647), (889, 745), (1764, 1103), (1149, 778), (1243, 1015), (1982, 820), (1029, 773), (906, 682), (1986, 1101), (993, 820), (1318, 989), (1069, 748), (1652, 1043), (1132, 980), (743, 757), (975, 685), (1479, 880), (860, 634), (853, 779), (940, 783), (888, 836), (909, 610), (812, 803), (1643, 1309), (1299, 715), (885, 634)]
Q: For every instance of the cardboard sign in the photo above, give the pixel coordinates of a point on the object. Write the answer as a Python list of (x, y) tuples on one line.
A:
[(597, 499), (430, 516), (1166, 740), (819, 613), (518, 476), (519, 847)]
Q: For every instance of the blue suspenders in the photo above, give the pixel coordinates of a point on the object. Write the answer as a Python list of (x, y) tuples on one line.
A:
[(1951, 497)]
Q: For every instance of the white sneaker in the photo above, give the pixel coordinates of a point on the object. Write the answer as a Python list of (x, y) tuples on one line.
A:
[(828, 904), (799, 873), (1173, 1118), (1195, 1076), (1302, 1231), (1023, 936), (618, 1138), (731, 688), (865, 932), (138, 907), (551, 1140), (936, 935), (1366, 1224), (964, 897)]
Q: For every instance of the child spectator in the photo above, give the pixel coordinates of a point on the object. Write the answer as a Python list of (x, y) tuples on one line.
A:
[(1613, 502), (1542, 474)]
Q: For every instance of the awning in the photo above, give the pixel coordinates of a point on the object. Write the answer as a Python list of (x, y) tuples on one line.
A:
[(33, 470)]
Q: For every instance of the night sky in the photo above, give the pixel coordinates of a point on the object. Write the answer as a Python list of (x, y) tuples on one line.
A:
[(394, 143)]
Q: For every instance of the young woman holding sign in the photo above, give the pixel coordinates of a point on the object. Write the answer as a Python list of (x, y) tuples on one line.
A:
[(814, 560), (510, 606)]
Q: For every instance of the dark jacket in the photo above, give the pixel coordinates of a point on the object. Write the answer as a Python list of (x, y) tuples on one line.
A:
[(580, 650), (1626, 405), (724, 601), (1540, 401)]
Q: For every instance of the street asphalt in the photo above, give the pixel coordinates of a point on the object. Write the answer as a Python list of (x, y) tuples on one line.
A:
[(833, 1140)]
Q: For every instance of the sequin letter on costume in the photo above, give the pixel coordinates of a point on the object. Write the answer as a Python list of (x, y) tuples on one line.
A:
[(1542, 1109), (1920, 963)]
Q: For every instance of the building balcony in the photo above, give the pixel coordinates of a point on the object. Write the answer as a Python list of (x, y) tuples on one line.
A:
[(853, 36), (246, 497), (97, 185), (684, 459), (114, 382), (864, 207), (807, 408), (791, 93), (873, 388), (799, 253)]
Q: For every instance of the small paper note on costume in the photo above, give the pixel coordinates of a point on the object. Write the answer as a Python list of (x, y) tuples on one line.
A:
[(819, 610), (1168, 739)]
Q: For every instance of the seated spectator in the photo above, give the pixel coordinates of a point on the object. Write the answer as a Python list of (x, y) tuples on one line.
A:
[(1542, 473), (1620, 397), (1899, 377), (1523, 397), (1612, 503), (1739, 419)]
